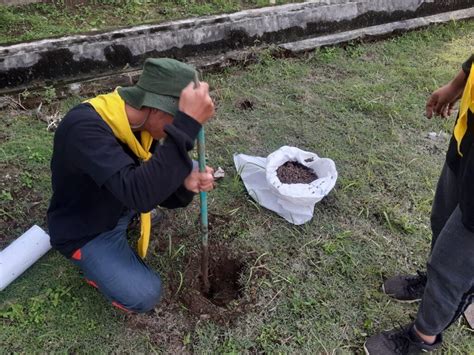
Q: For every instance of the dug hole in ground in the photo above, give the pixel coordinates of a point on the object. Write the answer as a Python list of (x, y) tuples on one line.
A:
[(289, 181)]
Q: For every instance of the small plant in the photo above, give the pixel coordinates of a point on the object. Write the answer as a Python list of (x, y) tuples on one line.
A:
[(327, 54), (6, 196), (49, 94), (187, 339), (229, 346), (354, 50), (26, 179), (55, 295), (300, 305), (37, 157), (37, 308), (13, 313), (268, 335), (330, 248), (25, 94), (368, 324)]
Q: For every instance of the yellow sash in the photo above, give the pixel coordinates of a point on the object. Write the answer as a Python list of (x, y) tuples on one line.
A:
[(111, 108), (467, 103)]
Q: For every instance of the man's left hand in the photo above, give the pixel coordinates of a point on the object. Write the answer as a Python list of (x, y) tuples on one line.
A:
[(197, 181)]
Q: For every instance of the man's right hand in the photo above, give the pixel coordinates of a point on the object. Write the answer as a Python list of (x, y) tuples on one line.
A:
[(196, 102)]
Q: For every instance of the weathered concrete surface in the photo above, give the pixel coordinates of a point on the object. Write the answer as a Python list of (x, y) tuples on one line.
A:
[(79, 57), (17, 2), (375, 31)]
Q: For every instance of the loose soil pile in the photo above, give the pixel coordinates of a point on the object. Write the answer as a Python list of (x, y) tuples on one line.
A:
[(293, 172), (245, 104)]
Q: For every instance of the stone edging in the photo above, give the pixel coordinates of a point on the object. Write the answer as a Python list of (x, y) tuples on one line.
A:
[(81, 57)]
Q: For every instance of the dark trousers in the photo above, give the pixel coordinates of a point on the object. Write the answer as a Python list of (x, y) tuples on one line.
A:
[(110, 265), (450, 268)]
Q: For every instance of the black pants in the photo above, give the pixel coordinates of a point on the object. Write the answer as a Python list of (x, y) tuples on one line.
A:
[(450, 286)]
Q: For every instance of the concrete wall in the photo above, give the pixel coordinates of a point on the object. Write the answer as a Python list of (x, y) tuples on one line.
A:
[(17, 2), (85, 56), (24, 2)]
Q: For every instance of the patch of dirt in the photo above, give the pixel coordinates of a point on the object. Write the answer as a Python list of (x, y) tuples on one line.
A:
[(3, 137), (166, 326), (159, 244), (223, 303), (234, 276), (293, 172), (169, 323), (20, 206), (217, 220), (245, 104)]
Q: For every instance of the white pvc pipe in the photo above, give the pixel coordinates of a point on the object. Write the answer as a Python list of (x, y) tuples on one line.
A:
[(21, 254)]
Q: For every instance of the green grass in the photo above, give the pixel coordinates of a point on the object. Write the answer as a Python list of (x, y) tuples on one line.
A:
[(363, 107), (43, 20)]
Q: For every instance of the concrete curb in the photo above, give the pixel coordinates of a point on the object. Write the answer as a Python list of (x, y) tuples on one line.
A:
[(376, 31), (82, 57)]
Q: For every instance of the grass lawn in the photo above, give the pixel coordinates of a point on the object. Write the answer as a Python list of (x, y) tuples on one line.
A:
[(43, 20), (363, 107)]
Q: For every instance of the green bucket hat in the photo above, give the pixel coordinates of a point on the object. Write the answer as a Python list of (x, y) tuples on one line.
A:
[(160, 85)]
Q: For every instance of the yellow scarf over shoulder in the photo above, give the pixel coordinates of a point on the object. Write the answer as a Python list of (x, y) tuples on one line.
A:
[(111, 108), (467, 103)]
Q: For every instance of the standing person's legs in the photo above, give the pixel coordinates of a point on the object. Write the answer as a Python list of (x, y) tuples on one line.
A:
[(410, 288), (445, 201), (450, 285), (448, 291), (117, 271)]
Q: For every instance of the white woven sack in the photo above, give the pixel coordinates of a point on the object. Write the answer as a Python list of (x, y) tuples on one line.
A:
[(294, 202)]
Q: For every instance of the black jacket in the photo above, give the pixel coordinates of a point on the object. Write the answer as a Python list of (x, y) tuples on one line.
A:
[(96, 178), (463, 166)]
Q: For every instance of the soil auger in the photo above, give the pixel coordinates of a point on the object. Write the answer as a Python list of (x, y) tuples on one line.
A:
[(203, 208)]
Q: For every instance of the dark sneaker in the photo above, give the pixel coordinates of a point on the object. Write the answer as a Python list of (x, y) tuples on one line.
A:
[(405, 288), (157, 216), (402, 341)]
